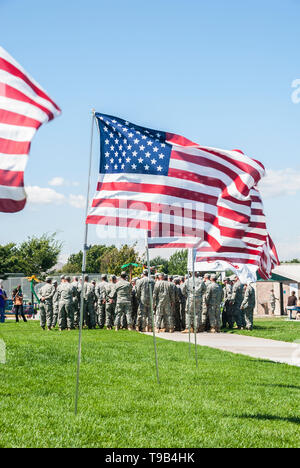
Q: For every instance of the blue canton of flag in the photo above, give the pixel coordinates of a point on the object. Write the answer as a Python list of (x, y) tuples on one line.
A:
[(131, 149)]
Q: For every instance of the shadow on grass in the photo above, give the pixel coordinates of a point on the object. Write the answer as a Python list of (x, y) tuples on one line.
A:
[(268, 417)]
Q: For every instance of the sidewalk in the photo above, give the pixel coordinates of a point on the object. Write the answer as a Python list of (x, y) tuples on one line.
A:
[(261, 348)]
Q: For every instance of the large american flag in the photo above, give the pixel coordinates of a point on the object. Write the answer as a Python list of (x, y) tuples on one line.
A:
[(24, 107), (172, 187)]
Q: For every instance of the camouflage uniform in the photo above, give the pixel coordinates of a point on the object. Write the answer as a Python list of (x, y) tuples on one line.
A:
[(46, 308), (123, 303), (198, 294), (248, 305), (89, 318), (213, 299), (100, 292), (134, 304), (183, 304), (237, 299), (110, 304), (76, 302), (272, 302), (144, 316), (227, 315), (66, 311), (179, 298), (205, 318), (162, 298), (55, 308)]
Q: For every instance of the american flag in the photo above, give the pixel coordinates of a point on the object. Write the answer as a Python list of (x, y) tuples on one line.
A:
[(24, 107), (259, 251), (172, 187)]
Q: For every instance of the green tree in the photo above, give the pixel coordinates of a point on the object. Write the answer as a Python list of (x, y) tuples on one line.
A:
[(9, 259), (37, 255), (93, 260), (162, 264), (112, 260), (178, 263)]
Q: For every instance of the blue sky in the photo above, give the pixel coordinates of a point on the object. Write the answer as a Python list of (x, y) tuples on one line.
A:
[(218, 72)]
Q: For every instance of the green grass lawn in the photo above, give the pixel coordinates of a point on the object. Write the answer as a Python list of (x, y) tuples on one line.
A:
[(229, 401), (274, 329)]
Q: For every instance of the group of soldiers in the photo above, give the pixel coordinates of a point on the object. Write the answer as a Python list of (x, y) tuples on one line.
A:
[(180, 303)]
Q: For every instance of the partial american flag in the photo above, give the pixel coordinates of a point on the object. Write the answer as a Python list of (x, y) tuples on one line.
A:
[(171, 187), (259, 251), (24, 106)]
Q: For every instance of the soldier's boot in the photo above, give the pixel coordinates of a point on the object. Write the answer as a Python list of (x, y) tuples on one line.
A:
[(137, 329), (130, 328), (157, 330), (117, 328), (201, 328), (146, 329), (192, 330), (212, 330), (171, 330), (218, 330), (163, 330), (150, 330), (185, 331)]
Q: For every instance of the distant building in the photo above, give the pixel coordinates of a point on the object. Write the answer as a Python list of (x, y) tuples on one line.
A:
[(285, 279)]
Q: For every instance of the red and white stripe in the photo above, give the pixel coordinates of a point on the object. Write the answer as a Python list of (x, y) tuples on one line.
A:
[(205, 195), (24, 107)]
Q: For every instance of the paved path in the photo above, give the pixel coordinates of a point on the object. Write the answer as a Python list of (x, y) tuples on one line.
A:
[(278, 351)]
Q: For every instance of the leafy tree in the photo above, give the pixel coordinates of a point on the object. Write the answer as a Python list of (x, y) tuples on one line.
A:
[(112, 260), (161, 263), (9, 259), (37, 255), (178, 263)]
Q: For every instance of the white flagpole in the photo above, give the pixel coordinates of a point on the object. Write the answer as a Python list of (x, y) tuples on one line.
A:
[(151, 306), (85, 249)]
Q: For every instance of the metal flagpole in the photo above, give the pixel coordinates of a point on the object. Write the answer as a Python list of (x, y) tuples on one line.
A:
[(151, 306), (194, 307), (85, 249), (189, 314)]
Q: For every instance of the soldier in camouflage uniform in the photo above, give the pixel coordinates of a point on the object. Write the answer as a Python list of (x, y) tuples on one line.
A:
[(89, 318), (110, 303), (100, 292), (162, 298), (76, 300), (178, 304), (248, 305), (183, 303), (144, 316), (55, 305), (46, 294), (123, 302), (213, 299), (204, 307), (236, 300), (134, 302), (66, 292), (198, 294), (227, 315)]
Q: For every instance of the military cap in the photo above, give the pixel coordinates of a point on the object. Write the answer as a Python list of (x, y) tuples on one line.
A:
[(62, 277), (113, 277), (54, 282), (104, 277), (86, 277), (48, 279), (170, 277), (213, 277), (145, 272)]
